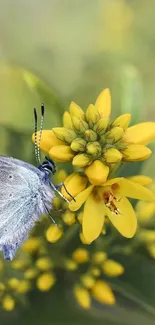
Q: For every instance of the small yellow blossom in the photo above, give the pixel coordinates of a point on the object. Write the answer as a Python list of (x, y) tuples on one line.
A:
[(30, 273), (81, 255), (110, 200), (13, 283), (95, 271), (19, 264), (23, 287), (71, 265), (83, 297), (102, 292), (87, 280), (8, 303), (31, 245), (99, 257), (43, 263), (53, 233), (45, 281), (112, 268)]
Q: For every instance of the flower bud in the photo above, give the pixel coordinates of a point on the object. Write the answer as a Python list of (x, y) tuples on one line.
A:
[(45, 281), (8, 303), (43, 263), (30, 274), (102, 292), (93, 148), (135, 152), (75, 110), (61, 153), (81, 160), (112, 156), (81, 255), (75, 184), (71, 265), (92, 115), (99, 257), (24, 286), (53, 233), (83, 297), (67, 120), (78, 145), (79, 125), (63, 134), (90, 135), (112, 268), (115, 134), (13, 283), (88, 281), (101, 126), (32, 245), (68, 218), (122, 121), (97, 172)]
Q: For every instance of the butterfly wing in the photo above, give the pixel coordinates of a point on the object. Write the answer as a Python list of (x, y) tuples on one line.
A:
[(20, 203)]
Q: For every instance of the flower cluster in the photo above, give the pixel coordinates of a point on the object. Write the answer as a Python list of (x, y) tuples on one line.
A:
[(91, 280)]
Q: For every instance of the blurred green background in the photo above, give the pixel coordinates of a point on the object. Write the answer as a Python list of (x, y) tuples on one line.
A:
[(56, 51)]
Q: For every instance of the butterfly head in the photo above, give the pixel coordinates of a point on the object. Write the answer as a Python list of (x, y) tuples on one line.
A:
[(48, 166)]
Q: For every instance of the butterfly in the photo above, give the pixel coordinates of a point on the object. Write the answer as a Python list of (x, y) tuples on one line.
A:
[(26, 192)]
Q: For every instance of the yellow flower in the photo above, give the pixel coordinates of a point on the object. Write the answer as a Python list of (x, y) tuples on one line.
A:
[(71, 265), (8, 303), (83, 297), (102, 292), (75, 183), (13, 283), (81, 255), (53, 233), (45, 281), (87, 280), (43, 263), (32, 245), (110, 200), (99, 257), (23, 286), (112, 268), (30, 273), (88, 138)]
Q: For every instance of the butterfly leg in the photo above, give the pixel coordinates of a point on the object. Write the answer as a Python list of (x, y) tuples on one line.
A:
[(62, 184)]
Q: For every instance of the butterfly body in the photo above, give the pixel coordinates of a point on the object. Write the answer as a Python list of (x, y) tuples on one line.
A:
[(26, 192)]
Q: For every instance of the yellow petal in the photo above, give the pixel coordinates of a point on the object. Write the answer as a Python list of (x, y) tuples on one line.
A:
[(80, 199), (76, 110), (103, 103), (75, 184), (135, 152), (102, 292), (93, 219), (122, 121), (141, 179), (67, 121), (61, 153), (97, 172), (48, 140), (141, 133), (125, 187), (125, 222)]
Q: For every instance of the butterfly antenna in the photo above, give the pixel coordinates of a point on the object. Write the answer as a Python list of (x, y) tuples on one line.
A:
[(40, 134), (35, 135)]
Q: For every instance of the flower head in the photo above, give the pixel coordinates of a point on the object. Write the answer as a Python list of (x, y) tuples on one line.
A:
[(110, 200), (94, 143)]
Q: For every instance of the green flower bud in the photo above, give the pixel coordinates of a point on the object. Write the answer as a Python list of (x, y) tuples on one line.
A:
[(79, 125), (64, 134), (90, 135), (81, 160), (78, 145), (101, 126), (115, 134), (92, 115), (93, 148)]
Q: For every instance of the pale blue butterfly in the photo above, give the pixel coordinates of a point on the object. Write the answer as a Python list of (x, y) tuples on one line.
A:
[(26, 192)]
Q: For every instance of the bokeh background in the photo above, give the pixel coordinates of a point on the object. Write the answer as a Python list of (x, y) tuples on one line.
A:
[(56, 51)]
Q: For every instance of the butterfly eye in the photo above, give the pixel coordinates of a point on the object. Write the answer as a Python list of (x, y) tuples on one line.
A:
[(10, 176)]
